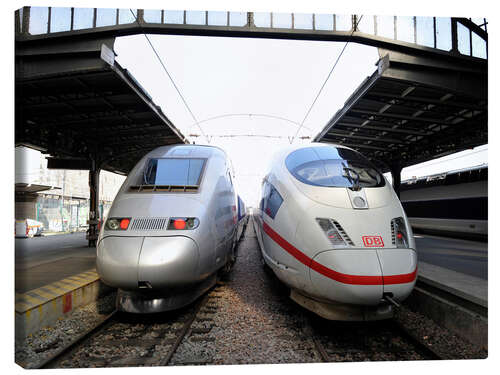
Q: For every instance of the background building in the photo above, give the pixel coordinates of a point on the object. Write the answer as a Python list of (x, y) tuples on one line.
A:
[(58, 198)]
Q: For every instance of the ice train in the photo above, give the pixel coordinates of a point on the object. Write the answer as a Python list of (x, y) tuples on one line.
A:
[(171, 229), (331, 227)]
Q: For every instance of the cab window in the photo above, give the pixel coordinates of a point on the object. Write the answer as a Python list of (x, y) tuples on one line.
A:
[(333, 167), (173, 171)]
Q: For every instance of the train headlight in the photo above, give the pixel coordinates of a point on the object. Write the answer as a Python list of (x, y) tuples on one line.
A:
[(332, 233), (399, 233), (117, 223), (180, 223)]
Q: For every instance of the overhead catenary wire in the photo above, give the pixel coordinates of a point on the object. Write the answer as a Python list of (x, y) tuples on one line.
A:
[(326, 80), (250, 115), (169, 76)]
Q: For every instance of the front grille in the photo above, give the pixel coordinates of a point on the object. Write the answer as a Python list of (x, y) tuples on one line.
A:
[(343, 233), (157, 223)]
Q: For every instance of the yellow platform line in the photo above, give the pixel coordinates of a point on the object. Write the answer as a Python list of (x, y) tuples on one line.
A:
[(39, 296), (70, 283)]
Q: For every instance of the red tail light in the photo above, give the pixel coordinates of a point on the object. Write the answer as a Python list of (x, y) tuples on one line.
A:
[(179, 224), (124, 223)]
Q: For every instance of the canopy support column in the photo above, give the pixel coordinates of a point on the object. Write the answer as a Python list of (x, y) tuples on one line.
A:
[(93, 231), (396, 178)]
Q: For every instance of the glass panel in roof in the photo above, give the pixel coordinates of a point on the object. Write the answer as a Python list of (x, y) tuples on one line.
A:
[(443, 33), (366, 24), (425, 31), (324, 22), (152, 16), (39, 18), (303, 21), (478, 46), (105, 17), (21, 19), (173, 16), (125, 16), (405, 28), (385, 26), (463, 36), (217, 18), (195, 17), (237, 18), (343, 22), (60, 19), (282, 20), (261, 19)]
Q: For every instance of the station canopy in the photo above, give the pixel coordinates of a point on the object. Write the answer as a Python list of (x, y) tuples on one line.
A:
[(83, 106), (412, 110)]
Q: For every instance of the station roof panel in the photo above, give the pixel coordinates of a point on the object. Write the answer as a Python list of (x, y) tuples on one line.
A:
[(99, 110), (409, 113)]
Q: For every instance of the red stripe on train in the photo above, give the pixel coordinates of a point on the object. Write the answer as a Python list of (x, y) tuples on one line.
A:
[(332, 274)]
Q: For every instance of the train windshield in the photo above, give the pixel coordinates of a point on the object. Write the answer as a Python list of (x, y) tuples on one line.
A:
[(333, 167), (173, 171)]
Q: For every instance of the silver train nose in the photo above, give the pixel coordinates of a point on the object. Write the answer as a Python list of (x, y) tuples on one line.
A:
[(134, 263)]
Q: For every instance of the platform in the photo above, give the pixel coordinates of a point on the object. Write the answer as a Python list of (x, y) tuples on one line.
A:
[(53, 276)]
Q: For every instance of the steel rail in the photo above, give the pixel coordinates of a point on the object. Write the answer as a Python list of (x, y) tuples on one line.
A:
[(184, 331), (80, 338)]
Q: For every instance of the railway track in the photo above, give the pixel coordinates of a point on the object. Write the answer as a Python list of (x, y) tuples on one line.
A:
[(367, 341), (122, 340)]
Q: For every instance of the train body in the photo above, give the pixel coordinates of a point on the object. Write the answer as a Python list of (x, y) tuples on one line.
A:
[(171, 228), (331, 227), (453, 203)]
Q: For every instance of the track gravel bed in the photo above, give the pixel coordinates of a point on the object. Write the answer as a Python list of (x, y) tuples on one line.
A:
[(40, 346), (256, 322)]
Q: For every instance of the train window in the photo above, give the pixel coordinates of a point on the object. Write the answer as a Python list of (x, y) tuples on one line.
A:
[(273, 202), (333, 167), (265, 194), (173, 171)]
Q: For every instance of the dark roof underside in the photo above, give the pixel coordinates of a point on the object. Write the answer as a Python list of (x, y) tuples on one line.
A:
[(101, 111)]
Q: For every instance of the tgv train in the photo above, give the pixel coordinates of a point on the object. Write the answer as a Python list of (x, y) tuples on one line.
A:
[(453, 203), (331, 227), (171, 228)]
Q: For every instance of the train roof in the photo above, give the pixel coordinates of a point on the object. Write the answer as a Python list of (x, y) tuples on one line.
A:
[(186, 150), (285, 151)]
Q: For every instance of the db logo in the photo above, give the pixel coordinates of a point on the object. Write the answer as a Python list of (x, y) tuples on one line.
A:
[(373, 241)]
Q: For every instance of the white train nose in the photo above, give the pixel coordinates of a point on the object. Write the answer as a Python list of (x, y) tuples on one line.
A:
[(348, 276), (399, 267)]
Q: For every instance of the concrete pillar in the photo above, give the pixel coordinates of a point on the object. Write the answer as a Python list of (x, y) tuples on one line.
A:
[(94, 203), (396, 178)]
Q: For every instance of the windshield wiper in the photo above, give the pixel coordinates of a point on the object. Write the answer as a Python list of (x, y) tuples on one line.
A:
[(355, 182)]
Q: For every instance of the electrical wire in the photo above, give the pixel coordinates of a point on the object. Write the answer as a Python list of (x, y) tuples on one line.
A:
[(168, 74), (326, 80), (250, 115)]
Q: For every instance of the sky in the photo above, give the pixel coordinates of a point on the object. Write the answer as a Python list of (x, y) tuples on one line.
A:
[(251, 78)]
